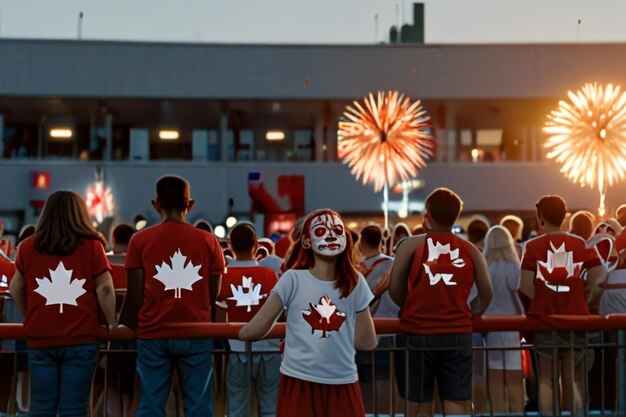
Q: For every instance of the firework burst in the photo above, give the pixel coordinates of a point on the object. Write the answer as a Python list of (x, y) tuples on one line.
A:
[(587, 135), (385, 140)]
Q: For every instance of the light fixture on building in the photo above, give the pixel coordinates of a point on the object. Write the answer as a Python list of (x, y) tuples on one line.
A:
[(169, 134), (275, 135), (61, 133), (220, 231), (231, 221), (475, 155)]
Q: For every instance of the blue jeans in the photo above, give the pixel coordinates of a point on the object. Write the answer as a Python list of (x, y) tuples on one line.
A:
[(265, 370), (60, 379), (155, 362)]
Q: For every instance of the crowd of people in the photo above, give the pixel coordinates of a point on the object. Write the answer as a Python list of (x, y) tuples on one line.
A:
[(327, 283)]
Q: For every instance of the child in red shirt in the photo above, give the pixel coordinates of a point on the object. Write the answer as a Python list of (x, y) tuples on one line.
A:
[(62, 276), (174, 272), (245, 288)]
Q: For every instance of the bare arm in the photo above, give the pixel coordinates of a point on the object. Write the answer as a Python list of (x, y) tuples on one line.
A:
[(596, 276), (483, 283), (134, 298), (215, 282), (401, 268), (263, 321), (526, 283), (17, 289), (364, 332), (106, 297)]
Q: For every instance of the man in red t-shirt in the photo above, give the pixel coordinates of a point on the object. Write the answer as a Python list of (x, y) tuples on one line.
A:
[(245, 288), (553, 277), (174, 272), (431, 280)]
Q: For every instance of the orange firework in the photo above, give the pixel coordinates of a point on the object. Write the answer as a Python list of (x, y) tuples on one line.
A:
[(588, 137), (385, 140)]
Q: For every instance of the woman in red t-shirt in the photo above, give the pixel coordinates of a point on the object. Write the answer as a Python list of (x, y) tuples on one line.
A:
[(62, 276)]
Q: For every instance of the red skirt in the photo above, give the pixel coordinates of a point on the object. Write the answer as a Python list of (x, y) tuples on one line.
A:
[(298, 398)]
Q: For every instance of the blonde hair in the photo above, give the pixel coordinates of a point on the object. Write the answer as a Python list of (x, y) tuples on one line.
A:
[(499, 246), (511, 219)]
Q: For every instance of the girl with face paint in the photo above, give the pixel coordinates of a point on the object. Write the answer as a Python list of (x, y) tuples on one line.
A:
[(328, 318)]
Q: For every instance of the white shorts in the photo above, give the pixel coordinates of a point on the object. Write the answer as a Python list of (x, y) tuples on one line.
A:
[(498, 359)]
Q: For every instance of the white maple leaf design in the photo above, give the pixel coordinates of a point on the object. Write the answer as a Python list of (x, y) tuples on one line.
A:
[(60, 288), (4, 282), (247, 299), (435, 250), (179, 276), (558, 268)]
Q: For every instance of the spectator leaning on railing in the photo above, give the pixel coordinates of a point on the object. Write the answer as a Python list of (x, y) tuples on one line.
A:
[(62, 276), (431, 279), (328, 316), (174, 272), (553, 269)]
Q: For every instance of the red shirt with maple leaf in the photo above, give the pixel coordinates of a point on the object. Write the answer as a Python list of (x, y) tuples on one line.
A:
[(61, 302), (177, 260), (244, 289), (319, 342), (7, 270), (439, 284), (558, 261)]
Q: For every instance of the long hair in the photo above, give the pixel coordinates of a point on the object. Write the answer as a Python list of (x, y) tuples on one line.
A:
[(63, 223), (499, 246), (346, 277)]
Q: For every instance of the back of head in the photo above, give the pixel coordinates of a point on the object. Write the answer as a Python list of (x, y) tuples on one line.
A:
[(551, 208), (122, 234), (173, 193), (63, 223), (581, 224), (371, 236), (267, 244), (609, 227), (26, 232), (514, 225), (203, 225), (243, 238), (444, 206), (400, 231), (477, 230), (499, 245)]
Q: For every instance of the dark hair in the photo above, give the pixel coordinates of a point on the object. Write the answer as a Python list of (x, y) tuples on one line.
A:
[(204, 225), (242, 238), (63, 223), (552, 209), (444, 206), (300, 258), (172, 193), (371, 236), (477, 230), (26, 232), (581, 224), (122, 234)]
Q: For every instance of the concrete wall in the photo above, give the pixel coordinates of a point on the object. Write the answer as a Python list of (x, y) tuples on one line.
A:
[(141, 70), (482, 186)]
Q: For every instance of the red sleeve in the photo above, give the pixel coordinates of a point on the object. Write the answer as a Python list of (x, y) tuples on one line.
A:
[(529, 260), (133, 254), (100, 260), (217, 264)]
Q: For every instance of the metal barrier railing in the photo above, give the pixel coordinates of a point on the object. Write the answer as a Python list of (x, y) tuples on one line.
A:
[(383, 399)]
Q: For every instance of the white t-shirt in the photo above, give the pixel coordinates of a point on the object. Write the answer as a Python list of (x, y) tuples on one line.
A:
[(505, 282), (272, 262), (378, 266), (319, 344), (613, 301)]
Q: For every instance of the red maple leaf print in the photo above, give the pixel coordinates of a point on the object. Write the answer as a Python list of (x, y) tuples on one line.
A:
[(324, 316)]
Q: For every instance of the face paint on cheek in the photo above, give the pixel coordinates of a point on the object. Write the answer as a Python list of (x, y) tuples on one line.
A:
[(328, 235)]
